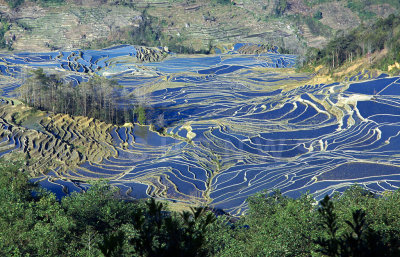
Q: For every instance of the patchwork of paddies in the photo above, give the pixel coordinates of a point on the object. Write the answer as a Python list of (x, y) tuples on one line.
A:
[(234, 124)]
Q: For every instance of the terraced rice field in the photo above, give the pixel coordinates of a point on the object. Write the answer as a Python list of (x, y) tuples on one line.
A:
[(236, 124)]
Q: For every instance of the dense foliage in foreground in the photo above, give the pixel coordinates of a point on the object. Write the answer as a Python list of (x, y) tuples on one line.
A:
[(96, 223)]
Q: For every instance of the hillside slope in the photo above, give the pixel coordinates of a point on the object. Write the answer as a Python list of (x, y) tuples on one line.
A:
[(192, 25), (373, 48)]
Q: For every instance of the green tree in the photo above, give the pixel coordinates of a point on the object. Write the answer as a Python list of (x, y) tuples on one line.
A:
[(281, 7), (276, 225), (14, 3), (29, 225), (141, 114), (317, 15)]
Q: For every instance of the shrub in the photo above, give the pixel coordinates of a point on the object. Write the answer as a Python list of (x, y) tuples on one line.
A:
[(317, 15)]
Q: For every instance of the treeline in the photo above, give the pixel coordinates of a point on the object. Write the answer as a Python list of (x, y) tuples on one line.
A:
[(4, 27), (363, 41), (98, 98), (97, 223)]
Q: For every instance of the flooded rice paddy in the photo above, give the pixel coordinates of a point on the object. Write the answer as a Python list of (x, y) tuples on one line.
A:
[(234, 125)]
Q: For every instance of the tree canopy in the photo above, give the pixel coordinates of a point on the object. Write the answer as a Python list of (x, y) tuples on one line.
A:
[(97, 222), (98, 98)]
